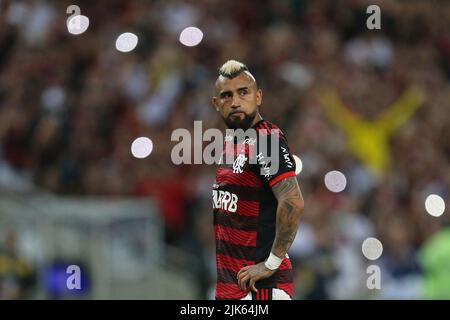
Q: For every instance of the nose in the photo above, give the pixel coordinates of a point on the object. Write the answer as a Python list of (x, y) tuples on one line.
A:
[(235, 103)]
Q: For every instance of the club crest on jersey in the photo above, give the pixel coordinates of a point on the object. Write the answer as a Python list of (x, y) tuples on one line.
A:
[(239, 163)]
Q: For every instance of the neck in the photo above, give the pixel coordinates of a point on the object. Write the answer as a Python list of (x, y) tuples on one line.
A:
[(256, 120)]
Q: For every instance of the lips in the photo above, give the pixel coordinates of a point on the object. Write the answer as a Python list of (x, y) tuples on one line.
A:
[(237, 113)]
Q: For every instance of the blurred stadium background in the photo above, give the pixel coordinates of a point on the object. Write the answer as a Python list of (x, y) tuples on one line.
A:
[(372, 104)]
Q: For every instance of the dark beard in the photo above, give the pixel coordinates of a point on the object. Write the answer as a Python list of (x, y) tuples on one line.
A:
[(240, 124)]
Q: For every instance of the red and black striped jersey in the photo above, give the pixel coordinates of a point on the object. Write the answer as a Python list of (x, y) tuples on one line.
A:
[(245, 208)]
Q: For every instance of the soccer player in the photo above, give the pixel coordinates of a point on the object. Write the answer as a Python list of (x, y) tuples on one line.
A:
[(256, 214)]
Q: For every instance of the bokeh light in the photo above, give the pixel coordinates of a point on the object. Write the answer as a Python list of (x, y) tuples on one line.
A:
[(372, 248), (142, 147), (78, 24), (126, 42), (435, 205), (298, 164), (335, 181), (191, 36)]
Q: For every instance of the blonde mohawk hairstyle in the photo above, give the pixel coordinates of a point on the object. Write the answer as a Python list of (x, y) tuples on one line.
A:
[(232, 68)]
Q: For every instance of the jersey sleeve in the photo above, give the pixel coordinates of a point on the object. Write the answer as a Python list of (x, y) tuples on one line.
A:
[(274, 159)]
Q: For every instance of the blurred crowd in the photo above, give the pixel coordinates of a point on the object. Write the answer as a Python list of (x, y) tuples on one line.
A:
[(71, 105)]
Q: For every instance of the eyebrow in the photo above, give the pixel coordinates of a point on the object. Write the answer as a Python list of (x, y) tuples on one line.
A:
[(229, 91)]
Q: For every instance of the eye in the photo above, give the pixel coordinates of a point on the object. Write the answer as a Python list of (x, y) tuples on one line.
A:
[(243, 92), (226, 95)]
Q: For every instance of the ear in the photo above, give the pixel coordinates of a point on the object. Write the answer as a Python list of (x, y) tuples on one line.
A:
[(259, 96), (214, 103)]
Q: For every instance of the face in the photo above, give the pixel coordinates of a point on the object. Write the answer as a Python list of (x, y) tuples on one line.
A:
[(237, 100)]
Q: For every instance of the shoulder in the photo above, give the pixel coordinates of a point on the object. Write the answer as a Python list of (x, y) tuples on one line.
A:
[(265, 127)]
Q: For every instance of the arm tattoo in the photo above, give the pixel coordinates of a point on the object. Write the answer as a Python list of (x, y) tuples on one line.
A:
[(290, 207)]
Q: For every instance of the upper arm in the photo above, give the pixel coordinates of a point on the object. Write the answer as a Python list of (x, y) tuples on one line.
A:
[(288, 189), (278, 170)]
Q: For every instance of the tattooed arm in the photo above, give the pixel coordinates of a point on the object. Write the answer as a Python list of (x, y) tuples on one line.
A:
[(290, 207)]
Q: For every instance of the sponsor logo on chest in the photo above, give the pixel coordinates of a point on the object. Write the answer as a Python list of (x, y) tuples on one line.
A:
[(225, 200)]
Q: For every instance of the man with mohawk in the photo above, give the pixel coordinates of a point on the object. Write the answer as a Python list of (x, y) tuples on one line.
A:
[(256, 215)]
